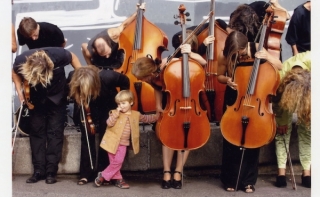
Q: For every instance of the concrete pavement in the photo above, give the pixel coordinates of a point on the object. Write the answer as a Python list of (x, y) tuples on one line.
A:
[(197, 183)]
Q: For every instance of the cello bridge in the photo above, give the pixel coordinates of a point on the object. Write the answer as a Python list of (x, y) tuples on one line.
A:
[(209, 73), (185, 108), (252, 106)]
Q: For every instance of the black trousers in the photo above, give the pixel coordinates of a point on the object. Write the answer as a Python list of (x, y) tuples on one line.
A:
[(99, 161), (231, 159), (87, 166), (46, 135)]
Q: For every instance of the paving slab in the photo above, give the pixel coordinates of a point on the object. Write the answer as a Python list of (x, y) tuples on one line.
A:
[(197, 183)]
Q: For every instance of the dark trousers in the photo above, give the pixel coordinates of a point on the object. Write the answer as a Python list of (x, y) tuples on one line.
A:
[(86, 169), (101, 159), (46, 135), (231, 159)]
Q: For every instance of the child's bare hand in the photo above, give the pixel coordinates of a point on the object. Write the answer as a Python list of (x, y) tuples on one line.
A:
[(157, 115), (116, 112)]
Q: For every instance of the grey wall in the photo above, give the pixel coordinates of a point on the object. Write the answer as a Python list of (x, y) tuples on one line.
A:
[(80, 20)]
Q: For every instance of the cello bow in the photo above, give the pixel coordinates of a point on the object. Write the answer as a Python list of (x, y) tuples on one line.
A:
[(86, 131), (293, 180)]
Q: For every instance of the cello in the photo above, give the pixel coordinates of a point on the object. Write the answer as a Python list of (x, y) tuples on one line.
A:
[(214, 90), (248, 122), (139, 39), (184, 124)]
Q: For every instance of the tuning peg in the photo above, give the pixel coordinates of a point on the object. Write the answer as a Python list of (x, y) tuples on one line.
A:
[(176, 22), (188, 19), (187, 14)]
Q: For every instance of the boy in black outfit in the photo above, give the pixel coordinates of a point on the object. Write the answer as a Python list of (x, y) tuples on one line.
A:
[(38, 35)]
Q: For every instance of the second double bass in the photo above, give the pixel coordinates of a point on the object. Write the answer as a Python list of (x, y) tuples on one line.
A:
[(214, 89), (139, 39)]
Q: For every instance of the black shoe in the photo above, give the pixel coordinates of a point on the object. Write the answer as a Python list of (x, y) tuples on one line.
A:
[(35, 178), (281, 181), (51, 178), (166, 184), (177, 184), (306, 181)]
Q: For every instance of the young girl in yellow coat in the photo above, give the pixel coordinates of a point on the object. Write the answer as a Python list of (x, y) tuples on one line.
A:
[(123, 128)]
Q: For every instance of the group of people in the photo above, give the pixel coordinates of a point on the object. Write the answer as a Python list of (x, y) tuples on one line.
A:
[(95, 91)]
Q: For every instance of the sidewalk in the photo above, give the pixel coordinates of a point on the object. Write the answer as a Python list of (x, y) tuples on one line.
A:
[(197, 183)]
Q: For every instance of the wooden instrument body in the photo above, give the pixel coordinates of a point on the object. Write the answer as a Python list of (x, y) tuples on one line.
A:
[(152, 41), (275, 31), (211, 82), (169, 128), (261, 127)]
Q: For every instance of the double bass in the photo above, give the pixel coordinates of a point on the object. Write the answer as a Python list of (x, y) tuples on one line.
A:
[(249, 123), (184, 124), (213, 89), (275, 30), (138, 39)]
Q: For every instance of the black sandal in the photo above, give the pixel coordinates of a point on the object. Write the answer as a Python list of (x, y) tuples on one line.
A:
[(83, 181), (177, 184), (166, 184), (249, 187)]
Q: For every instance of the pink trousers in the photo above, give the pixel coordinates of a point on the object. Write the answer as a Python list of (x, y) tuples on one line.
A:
[(116, 161)]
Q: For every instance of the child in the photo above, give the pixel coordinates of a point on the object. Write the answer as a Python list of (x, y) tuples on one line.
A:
[(122, 125)]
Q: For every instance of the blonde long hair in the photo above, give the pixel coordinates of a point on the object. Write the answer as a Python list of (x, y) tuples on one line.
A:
[(295, 88), (37, 69), (85, 84)]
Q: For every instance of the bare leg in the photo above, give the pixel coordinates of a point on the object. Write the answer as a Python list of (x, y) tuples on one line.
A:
[(180, 163), (167, 155), (306, 172), (281, 171)]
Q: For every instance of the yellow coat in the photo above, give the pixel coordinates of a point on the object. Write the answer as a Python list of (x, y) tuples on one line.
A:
[(111, 139)]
